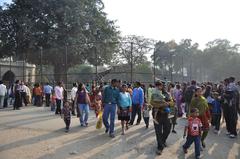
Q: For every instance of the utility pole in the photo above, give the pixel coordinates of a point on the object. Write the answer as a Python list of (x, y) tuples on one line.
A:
[(131, 62), (182, 70), (154, 65), (41, 52), (23, 66), (66, 65)]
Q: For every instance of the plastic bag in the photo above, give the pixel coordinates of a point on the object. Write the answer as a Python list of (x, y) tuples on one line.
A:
[(99, 122)]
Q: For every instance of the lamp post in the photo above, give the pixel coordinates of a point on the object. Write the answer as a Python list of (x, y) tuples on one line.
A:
[(97, 35), (171, 63), (131, 52)]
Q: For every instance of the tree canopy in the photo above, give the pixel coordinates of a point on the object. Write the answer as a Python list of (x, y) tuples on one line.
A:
[(74, 27)]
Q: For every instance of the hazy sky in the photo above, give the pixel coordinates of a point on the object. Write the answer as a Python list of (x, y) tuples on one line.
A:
[(200, 20)]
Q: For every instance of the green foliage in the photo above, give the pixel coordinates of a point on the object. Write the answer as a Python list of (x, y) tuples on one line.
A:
[(71, 28)]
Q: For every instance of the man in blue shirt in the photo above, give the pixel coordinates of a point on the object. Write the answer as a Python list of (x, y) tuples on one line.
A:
[(110, 99), (137, 103), (47, 91)]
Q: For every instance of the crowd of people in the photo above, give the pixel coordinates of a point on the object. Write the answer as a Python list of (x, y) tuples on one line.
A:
[(203, 104)]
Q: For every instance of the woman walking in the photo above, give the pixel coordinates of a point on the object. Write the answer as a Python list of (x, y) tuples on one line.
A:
[(83, 102), (124, 103), (201, 104)]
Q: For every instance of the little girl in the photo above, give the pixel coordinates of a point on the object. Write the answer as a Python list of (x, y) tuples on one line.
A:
[(66, 115), (53, 102)]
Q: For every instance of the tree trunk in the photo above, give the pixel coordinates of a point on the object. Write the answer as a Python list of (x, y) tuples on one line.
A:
[(59, 73)]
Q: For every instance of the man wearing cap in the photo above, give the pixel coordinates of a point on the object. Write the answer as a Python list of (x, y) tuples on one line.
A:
[(110, 99)]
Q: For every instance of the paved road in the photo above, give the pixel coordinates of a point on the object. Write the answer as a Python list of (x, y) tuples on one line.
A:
[(36, 133)]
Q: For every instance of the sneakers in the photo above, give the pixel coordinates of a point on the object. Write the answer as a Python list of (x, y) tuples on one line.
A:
[(216, 132), (159, 152), (112, 135), (232, 136), (185, 150), (227, 133), (174, 131), (106, 131)]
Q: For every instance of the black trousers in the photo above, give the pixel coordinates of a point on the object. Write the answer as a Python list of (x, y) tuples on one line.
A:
[(67, 122), (146, 120), (18, 100), (47, 98), (73, 107), (136, 109), (58, 109), (24, 98), (216, 119), (162, 131), (231, 117)]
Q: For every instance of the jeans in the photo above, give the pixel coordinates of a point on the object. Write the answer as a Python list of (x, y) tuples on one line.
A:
[(109, 109), (162, 130), (84, 111), (136, 109), (190, 140), (146, 120)]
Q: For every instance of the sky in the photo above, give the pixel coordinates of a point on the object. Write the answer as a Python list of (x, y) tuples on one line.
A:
[(200, 20)]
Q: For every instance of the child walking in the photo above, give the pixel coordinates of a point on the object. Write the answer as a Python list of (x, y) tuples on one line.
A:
[(146, 109), (193, 127), (216, 112), (66, 115)]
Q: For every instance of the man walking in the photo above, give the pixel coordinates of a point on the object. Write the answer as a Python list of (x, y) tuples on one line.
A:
[(110, 99), (137, 103), (73, 95), (3, 92), (47, 91)]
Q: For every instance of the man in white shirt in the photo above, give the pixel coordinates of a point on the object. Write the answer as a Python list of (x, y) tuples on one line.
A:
[(3, 92), (73, 95), (59, 96)]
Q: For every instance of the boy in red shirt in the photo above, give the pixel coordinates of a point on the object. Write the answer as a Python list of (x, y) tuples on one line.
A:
[(193, 127)]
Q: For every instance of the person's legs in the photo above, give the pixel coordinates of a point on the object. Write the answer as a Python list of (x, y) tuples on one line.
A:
[(106, 112), (203, 137), (58, 103), (159, 135), (122, 124), (226, 117), (146, 120), (188, 142), (1, 101), (86, 110), (166, 129), (134, 111), (73, 107), (233, 121), (47, 99), (197, 146), (81, 110), (112, 117), (139, 112), (217, 121)]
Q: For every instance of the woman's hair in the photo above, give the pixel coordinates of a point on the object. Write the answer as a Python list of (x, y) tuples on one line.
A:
[(80, 86)]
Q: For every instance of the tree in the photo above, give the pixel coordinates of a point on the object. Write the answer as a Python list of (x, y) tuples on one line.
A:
[(75, 28), (133, 49)]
